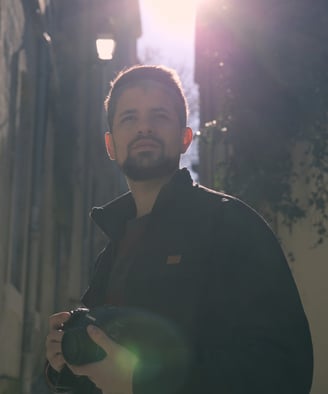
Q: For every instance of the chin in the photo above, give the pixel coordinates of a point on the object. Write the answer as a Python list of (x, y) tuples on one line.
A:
[(139, 172)]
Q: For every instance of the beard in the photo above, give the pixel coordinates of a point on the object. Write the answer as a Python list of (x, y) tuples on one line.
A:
[(149, 165)]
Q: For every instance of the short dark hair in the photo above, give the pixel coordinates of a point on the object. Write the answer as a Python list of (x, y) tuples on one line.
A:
[(137, 75)]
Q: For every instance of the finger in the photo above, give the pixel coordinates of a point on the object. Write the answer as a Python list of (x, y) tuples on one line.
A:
[(53, 344), (56, 321), (53, 348), (117, 352), (101, 339), (54, 336)]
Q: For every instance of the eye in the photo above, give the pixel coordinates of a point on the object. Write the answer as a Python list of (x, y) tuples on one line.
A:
[(161, 115), (128, 118)]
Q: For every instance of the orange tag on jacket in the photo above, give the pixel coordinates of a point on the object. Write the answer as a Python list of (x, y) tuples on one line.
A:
[(173, 259)]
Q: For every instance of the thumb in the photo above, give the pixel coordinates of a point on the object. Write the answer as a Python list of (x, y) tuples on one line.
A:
[(100, 338), (119, 353)]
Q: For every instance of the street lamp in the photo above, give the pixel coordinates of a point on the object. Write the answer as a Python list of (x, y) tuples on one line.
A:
[(105, 47)]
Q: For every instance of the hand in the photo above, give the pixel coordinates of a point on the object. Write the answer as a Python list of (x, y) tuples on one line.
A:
[(113, 374), (54, 338)]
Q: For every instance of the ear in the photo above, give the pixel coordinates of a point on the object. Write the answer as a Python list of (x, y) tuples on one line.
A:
[(187, 136), (110, 145)]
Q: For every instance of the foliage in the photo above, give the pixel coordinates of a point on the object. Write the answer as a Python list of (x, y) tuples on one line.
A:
[(318, 198), (272, 86)]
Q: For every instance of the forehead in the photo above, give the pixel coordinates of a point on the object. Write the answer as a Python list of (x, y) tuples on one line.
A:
[(145, 94)]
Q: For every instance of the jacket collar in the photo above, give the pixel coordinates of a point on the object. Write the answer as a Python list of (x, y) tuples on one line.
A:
[(112, 217)]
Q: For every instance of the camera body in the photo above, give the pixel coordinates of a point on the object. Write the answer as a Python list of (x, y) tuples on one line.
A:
[(77, 347), (156, 342)]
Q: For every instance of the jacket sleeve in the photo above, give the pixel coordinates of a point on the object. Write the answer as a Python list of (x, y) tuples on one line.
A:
[(257, 336), (65, 382)]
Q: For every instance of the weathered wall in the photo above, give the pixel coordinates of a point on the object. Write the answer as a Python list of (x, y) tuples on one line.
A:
[(12, 69), (53, 166), (309, 265)]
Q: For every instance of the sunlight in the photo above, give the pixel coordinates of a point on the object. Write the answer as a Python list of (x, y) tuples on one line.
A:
[(170, 20)]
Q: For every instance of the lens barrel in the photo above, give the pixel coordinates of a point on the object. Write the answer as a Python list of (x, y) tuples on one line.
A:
[(79, 349)]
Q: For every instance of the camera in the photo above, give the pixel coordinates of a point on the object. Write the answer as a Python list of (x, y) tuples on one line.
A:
[(157, 343), (77, 347)]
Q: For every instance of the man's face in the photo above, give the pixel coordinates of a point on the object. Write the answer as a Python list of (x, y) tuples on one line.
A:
[(147, 138)]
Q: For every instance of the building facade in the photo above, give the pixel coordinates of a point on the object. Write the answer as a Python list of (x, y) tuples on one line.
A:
[(53, 166)]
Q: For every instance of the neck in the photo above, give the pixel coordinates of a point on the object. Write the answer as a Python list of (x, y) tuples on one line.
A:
[(145, 193)]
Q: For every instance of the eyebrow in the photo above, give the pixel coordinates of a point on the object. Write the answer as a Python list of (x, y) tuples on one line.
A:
[(159, 109), (134, 111), (127, 112)]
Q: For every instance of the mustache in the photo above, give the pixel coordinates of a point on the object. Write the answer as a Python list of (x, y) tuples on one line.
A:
[(142, 138)]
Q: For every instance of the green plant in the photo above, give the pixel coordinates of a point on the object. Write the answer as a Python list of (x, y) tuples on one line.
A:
[(269, 83)]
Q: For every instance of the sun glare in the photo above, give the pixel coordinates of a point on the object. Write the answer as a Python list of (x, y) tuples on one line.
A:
[(169, 20)]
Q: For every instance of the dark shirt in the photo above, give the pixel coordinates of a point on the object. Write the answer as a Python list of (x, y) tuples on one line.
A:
[(124, 258)]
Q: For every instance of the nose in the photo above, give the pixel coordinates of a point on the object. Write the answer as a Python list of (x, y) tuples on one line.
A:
[(145, 127)]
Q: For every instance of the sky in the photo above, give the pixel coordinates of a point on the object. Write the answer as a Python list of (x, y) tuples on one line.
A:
[(168, 38), (168, 24)]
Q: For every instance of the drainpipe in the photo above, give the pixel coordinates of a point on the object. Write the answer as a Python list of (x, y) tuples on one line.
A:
[(31, 286)]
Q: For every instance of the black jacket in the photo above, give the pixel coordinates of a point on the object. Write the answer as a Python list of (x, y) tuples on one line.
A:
[(212, 267)]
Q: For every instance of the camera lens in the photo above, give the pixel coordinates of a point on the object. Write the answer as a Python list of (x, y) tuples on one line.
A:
[(79, 349)]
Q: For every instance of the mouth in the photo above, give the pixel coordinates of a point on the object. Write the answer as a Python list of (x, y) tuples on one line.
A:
[(144, 144)]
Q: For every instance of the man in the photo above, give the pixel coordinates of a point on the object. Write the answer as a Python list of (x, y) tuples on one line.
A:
[(201, 263)]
